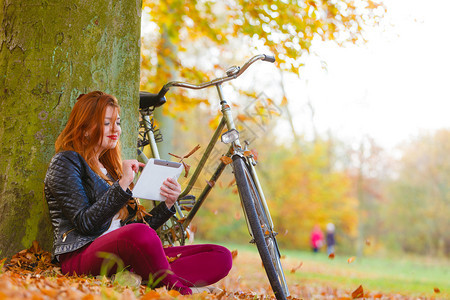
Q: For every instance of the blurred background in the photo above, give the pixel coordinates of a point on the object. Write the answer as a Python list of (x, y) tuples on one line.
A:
[(350, 125)]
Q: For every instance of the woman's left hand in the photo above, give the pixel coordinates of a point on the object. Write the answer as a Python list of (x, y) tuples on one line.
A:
[(170, 189)]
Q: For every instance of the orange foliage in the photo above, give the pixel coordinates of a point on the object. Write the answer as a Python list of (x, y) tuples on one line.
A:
[(305, 190)]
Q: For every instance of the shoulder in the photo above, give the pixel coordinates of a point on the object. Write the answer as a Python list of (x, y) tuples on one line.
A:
[(66, 161), (67, 156)]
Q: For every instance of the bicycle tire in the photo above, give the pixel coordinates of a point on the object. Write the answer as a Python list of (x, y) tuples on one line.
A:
[(265, 241)]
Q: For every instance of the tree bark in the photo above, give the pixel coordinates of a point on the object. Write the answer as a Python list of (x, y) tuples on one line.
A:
[(50, 52)]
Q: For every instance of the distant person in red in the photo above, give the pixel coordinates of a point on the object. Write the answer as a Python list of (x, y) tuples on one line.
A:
[(316, 238)]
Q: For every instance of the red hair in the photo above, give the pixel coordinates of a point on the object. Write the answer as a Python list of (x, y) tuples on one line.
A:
[(84, 132)]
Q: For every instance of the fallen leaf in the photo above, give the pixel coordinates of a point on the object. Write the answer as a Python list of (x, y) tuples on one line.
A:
[(151, 295), (351, 259), (437, 290), (186, 208), (358, 293), (35, 247), (234, 254), (368, 243), (248, 153), (173, 293), (185, 165), (226, 160), (293, 270), (193, 228), (232, 182), (331, 256), (172, 259)]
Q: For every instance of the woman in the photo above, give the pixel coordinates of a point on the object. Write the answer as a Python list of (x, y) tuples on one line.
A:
[(87, 188)]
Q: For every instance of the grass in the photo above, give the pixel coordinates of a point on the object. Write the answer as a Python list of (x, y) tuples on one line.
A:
[(409, 276), (404, 275)]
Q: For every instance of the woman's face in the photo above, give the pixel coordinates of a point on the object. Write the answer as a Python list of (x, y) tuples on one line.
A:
[(111, 130)]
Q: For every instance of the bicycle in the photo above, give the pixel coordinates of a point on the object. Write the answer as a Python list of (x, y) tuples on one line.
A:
[(259, 221)]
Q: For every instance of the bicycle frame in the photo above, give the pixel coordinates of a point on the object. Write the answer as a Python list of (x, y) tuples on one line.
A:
[(253, 201), (235, 148)]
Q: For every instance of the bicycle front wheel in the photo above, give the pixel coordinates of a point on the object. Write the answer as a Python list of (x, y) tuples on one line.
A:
[(261, 231)]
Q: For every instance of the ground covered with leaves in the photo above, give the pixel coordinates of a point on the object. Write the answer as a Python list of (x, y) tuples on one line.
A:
[(31, 275)]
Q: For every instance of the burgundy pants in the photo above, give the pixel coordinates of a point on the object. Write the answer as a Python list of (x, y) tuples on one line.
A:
[(140, 249)]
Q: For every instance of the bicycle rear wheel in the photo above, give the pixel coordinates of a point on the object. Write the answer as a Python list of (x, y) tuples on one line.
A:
[(261, 231), (172, 233)]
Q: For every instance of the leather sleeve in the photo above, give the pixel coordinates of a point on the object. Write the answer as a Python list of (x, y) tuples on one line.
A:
[(85, 199), (159, 215)]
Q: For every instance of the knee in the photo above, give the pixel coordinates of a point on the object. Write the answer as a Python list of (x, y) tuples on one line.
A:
[(225, 258), (139, 235)]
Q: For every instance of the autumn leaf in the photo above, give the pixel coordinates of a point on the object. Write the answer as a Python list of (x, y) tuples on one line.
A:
[(248, 153), (186, 169), (233, 181), (358, 293), (294, 269), (211, 183), (172, 259), (331, 256), (151, 295), (234, 254), (437, 290), (185, 165), (186, 208), (226, 160), (173, 293), (351, 259), (35, 247), (193, 228)]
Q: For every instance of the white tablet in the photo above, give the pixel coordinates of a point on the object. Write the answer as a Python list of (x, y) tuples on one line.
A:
[(155, 172)]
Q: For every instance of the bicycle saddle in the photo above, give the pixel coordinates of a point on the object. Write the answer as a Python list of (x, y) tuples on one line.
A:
[(147, 100)]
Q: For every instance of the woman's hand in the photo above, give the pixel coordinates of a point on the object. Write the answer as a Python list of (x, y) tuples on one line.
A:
[(130, 168), (170, 189)]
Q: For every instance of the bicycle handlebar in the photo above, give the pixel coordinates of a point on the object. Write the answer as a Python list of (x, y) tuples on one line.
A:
[(232, 73)]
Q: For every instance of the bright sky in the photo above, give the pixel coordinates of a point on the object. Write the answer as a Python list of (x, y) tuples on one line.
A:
[(392, 88)]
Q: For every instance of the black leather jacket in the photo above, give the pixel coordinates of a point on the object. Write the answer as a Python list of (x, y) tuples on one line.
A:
[(82, 204)]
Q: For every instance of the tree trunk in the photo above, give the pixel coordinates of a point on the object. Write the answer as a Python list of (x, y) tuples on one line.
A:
[(50, 52)]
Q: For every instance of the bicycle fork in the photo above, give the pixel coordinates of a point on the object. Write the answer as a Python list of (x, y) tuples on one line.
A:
[(236, 149)]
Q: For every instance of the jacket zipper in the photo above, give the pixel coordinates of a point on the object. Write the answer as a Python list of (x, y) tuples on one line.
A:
[(66, 233), (64, 236)]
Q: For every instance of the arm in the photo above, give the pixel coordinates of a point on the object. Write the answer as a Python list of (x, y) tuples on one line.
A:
[(159, 215), (84, 198)]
